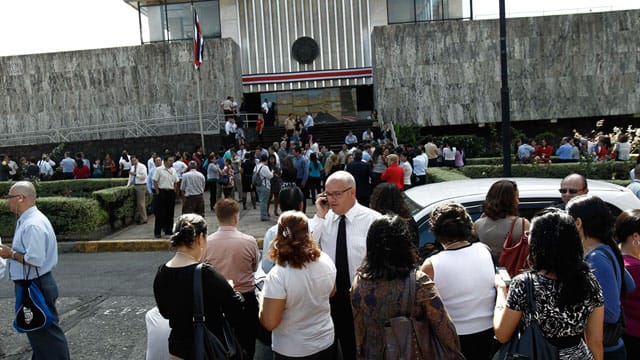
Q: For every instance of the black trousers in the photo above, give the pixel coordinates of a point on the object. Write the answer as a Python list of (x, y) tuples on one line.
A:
[(342, 316), (164, 212), (479, 346), (247, 324)]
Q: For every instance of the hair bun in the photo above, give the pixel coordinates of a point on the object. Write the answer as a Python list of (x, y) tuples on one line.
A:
[(184, 235)]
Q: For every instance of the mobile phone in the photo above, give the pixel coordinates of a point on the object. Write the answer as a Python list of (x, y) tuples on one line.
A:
[(323, 199), (504, 275)]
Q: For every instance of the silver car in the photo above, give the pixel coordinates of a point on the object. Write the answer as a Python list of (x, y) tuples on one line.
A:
[(535, 194)]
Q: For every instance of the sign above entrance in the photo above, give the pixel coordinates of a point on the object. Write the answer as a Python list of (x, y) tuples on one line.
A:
[(306, 76)]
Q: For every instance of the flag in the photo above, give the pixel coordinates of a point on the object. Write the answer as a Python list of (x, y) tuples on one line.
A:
[(198, 41)]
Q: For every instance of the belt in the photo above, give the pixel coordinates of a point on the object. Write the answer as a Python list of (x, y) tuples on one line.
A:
[(565, 341)]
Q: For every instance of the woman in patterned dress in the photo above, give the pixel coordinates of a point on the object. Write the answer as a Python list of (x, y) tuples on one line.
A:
[(569, 302), (379, 284)]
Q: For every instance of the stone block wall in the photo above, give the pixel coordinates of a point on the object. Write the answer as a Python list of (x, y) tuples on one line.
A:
[(76, 89), (448, 73)]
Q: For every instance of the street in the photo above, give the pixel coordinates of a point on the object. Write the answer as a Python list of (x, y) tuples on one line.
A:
[(102, 304)]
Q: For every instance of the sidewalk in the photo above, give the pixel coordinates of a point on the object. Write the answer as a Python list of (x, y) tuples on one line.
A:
[(140, 237)]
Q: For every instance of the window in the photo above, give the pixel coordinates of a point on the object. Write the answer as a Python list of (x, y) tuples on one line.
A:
[(175, 21), (409, 11)]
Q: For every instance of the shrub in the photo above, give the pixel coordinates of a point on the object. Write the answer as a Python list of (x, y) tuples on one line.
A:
[(593, 170), (74, 188), (119, 203), (438, 174), (67, 215)]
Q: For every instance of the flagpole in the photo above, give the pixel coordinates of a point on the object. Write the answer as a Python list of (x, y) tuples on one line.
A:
[(197, 53), (200, 112)]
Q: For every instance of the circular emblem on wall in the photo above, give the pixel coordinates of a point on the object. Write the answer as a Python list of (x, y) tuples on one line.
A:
[(305, 50)]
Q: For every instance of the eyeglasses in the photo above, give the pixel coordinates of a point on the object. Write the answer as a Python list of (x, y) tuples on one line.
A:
[(570, 191), (337, 194), (11, 196)]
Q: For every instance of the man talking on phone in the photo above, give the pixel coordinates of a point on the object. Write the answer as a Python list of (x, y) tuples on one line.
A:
[(340, 228)]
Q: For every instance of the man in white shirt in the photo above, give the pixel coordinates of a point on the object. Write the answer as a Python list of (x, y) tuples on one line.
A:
[(339, 205), (308, 124), (420, 165), (230, 129), (151, 162), (138, 179), (164, 182)]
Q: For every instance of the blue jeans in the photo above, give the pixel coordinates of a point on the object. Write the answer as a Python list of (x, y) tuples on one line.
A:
[(49, 343), (263, 197)]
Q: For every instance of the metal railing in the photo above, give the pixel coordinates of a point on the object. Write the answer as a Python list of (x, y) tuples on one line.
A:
[(212, 123)]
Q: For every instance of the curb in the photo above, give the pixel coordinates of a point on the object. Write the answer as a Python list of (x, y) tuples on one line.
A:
[(138, 245)]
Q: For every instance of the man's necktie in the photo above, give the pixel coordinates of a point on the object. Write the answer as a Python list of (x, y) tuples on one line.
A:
[(343, 281)]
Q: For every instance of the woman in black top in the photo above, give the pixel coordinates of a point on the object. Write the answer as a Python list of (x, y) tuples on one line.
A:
[(246, 169), (173, 287)]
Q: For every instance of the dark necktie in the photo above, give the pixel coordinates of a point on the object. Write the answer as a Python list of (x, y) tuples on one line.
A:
[(343, 281)]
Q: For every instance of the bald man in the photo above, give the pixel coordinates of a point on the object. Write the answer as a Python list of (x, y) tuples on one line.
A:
[(35, 247), (571, 186)]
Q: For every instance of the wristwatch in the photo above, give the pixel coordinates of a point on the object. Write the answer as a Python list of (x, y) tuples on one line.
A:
[(13, 255)]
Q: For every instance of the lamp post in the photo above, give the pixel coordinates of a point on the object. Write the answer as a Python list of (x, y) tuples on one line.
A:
[(504, 96)]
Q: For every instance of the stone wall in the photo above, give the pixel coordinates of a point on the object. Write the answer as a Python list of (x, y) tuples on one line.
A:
[(569, 66), (73, 90)]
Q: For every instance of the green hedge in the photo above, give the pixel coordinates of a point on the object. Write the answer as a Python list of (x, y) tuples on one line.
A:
[(594, 170), (68, 215), (119, 203), (74, 188), (441, 174)]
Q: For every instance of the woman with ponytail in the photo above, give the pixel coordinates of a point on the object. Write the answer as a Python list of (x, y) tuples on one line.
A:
[(296, 293), (595, 225), (173, 287), (569, 303)]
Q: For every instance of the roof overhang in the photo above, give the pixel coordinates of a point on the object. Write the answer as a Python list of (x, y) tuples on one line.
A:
[(136, 4)]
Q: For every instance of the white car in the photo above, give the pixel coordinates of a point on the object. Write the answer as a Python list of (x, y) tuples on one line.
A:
[(535, 194)]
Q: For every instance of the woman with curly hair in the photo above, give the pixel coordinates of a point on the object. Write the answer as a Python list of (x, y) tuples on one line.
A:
[(173, 287), (628, 237), (568, 297), (379, 285), (296, 293), (500, 214), (464, 274)]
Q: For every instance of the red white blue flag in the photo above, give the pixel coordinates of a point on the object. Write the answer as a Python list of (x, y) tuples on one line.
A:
[(198, 41)]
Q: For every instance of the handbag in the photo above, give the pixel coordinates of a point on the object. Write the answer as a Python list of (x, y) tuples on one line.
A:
[(406, 337), (206, 345), (514, 254), (529, 342), (32, 311)]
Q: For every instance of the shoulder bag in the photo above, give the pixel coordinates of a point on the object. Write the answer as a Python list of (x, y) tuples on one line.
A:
[(613, 331), (206, 345), (514, 251), (32, 311), (256, 179), (408, 338), (528, 342)]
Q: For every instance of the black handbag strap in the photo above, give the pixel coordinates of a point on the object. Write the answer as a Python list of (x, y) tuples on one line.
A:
[(198, 305), (531, 297)]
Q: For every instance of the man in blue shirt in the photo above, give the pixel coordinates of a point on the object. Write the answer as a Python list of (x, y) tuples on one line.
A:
[(67, 164), (35, 247), (525, 151), (564, 151), (301, 165)]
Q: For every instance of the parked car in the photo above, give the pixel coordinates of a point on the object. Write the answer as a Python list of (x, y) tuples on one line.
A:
[(535, 194)]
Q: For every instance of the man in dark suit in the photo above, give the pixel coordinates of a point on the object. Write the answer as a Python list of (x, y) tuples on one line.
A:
[(361, 172)]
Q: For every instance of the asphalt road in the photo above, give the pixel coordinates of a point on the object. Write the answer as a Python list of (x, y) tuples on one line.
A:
[(102, 304)]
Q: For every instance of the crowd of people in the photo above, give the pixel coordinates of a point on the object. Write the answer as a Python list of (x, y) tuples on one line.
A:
[(597, 147), (335, 280)]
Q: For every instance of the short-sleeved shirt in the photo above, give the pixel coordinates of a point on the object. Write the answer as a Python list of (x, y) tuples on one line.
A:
[(306, 326), (166, 178), (36, 240)]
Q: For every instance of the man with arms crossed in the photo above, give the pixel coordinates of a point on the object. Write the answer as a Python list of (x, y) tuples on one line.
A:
[(35, 247)]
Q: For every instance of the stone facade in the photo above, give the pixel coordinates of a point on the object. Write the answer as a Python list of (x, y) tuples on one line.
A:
[(80, 89), (448, 73)]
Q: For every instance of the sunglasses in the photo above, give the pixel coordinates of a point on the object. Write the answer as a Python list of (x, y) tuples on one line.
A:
[(570, 191)]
